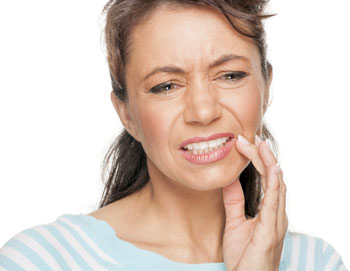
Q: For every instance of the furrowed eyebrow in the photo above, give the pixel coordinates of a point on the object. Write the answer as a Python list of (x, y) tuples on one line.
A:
[(174, 69), (226, 58), (169, 69)]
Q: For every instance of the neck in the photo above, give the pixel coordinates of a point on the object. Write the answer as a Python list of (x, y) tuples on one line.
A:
[(195, 218)]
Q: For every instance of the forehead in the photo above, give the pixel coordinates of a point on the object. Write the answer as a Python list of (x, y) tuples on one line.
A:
[(186, 36)]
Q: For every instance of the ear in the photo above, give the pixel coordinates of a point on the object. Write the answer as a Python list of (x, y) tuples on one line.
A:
[(267, 88), (124, 116)]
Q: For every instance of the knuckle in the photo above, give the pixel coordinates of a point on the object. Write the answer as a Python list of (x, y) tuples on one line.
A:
[(276, 186), (283, 188), (263, 174), (275, 205), (235, 202)]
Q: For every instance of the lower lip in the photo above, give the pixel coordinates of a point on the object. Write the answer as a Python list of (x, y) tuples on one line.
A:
[(209, 157)]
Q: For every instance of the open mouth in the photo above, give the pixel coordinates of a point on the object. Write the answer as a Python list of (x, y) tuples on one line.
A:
[(206, 146)]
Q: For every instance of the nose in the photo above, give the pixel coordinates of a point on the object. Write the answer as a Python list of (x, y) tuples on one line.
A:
[(202, 104)]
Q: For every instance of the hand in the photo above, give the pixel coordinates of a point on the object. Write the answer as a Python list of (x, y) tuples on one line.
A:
[(256, 244)]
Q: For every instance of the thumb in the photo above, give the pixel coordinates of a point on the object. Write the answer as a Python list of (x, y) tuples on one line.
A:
[(233, 198)]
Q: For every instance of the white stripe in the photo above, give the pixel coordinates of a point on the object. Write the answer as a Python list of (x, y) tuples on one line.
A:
[(325, 245), (35, 246), (342, 267), (332, 260), (286, 239), (78, 247), (295, 250), (310, 256), (55, 243), (2, 269), (18, 258), (89, 241)]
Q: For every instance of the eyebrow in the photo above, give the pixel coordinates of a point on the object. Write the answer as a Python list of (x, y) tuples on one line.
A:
[(174, 69)]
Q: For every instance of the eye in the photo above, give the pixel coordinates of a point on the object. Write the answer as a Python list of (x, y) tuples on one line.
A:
[(163, 88), (233, 76)]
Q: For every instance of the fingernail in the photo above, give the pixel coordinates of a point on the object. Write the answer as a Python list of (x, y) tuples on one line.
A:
[(277, 167), (268, 144), (257, 139), (243, 140)]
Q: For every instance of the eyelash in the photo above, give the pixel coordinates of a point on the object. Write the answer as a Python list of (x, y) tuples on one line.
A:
[(238, 75), (158, 88)]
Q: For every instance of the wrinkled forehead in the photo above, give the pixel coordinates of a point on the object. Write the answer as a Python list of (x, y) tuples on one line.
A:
[(188, 36)]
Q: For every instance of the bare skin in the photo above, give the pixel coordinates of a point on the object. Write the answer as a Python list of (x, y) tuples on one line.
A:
[(183, 213), (135, 222)]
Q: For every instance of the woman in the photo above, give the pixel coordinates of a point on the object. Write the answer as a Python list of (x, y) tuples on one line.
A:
[(194, 183)]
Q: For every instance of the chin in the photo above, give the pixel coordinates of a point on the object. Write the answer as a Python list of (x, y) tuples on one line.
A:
[(208, 182), (215, 178)]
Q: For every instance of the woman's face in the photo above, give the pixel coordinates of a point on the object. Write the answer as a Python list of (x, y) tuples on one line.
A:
[(190, 74)]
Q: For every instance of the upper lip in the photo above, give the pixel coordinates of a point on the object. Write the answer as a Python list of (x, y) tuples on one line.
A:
[(197, 139)]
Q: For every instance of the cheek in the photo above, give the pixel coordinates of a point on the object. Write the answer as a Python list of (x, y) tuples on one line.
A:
[(155, 123), (246, 106)]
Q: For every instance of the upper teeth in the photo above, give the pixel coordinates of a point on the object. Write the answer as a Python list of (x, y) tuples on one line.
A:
[(206, 144)]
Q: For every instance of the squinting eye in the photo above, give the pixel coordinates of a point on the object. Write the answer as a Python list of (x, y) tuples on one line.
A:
[(234, 76), (163, 88)]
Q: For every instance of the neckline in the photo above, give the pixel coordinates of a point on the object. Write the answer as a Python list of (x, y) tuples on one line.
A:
[(131, 255)]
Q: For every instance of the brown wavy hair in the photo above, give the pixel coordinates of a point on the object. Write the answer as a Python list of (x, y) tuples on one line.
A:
[(125, 163)]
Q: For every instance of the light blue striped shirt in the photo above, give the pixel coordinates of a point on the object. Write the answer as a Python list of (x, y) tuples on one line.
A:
[(82, 242)]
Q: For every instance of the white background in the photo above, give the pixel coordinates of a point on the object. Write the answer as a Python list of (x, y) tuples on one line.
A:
[(57, 120)]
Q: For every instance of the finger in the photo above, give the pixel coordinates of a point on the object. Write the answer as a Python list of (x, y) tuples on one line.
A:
[(270, 204), (282, 219), (266, 153), (233, 198), (251, 152), (279, 198)]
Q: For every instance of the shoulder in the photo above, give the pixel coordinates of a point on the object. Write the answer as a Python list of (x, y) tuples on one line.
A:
[(64, 244), (306, 252)]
